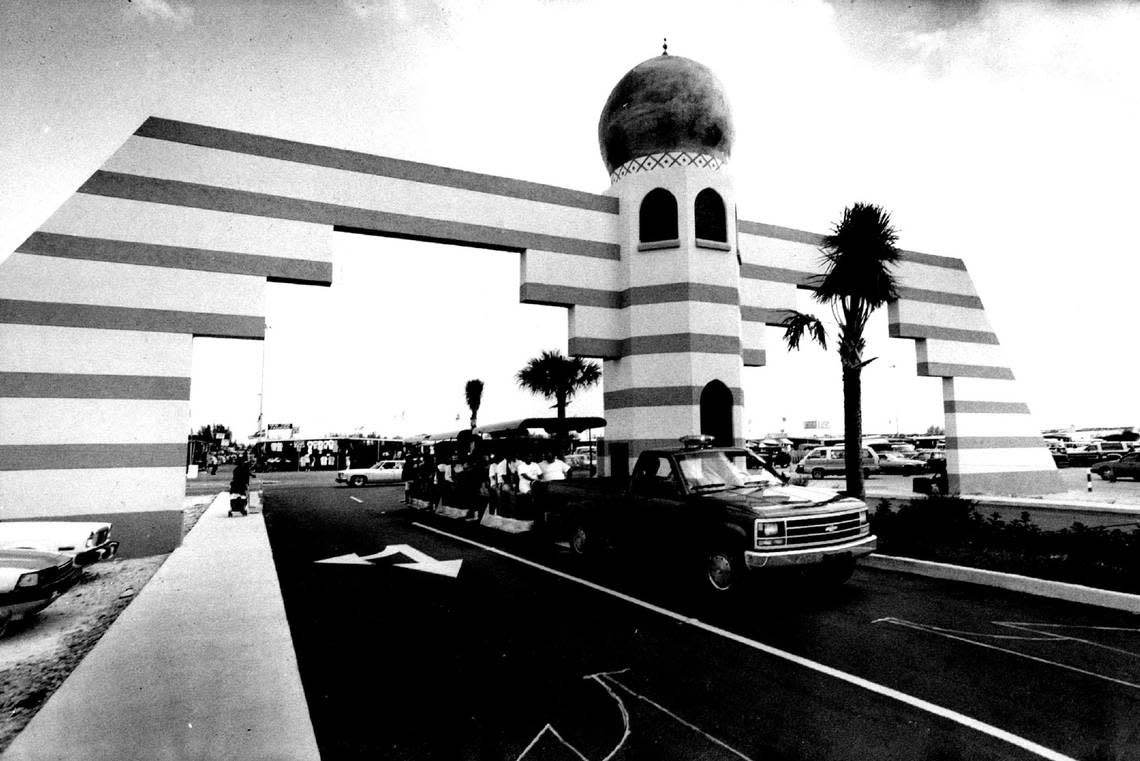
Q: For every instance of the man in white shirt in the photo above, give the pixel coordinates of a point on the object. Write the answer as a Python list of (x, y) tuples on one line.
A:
[(553, 468), (528, 471)]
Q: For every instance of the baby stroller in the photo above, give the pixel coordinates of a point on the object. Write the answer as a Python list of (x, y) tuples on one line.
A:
[(239, 489), (239, 502)]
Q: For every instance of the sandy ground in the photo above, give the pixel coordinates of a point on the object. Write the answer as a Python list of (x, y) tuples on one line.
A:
[(39, 653)]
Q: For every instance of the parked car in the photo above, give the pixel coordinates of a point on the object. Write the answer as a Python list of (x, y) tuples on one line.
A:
[(1096, 451), (898, 463), (31, 580), (85, 541), (385, 471), (1127, 466), (933, 460), (828, 461)]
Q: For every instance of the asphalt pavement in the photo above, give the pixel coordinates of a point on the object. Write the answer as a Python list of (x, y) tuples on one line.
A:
[(525, 653), (240, 649)]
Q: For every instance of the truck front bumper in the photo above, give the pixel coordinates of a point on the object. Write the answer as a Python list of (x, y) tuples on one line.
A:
[(810, 555)]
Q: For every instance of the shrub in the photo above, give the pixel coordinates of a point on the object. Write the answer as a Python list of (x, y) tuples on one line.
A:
[(951, 530)]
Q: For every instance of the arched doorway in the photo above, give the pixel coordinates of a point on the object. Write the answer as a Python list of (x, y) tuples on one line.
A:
[(716, 413)]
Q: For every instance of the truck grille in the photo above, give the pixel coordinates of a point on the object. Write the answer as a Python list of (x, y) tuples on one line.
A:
[(823, 529)]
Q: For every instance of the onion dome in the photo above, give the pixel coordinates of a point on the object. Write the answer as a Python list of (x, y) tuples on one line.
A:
[(667, 103)]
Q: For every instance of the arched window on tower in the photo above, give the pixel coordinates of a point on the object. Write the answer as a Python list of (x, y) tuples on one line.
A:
[(711, 221), (658, 221)]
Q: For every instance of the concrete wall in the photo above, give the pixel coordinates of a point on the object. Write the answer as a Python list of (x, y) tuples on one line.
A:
[(993, 444), (175, 237)]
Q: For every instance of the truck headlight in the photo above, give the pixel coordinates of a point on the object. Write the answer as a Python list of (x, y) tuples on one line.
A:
[(769, 533), (28, 580)]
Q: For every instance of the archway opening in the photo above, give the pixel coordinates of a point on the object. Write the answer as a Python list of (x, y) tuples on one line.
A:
[(716, 413)]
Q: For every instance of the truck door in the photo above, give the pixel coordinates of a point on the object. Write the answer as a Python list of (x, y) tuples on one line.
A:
[(654, 515)]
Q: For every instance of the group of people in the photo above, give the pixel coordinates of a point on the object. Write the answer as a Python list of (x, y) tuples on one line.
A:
[(477, 482)]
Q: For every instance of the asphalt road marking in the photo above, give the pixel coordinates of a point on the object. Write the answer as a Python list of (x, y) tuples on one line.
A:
[(554, 732), (611, 676), (951, 634), (1069, 637), (902, 697), (358, 501)]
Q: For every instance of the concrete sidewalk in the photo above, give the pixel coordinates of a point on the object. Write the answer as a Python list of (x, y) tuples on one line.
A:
[(200, 666)]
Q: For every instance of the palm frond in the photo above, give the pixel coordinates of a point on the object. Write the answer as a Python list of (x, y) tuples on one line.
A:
[(798, 324), (859, 257)]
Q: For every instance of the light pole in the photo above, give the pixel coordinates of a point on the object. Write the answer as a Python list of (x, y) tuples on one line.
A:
[(897, 403)]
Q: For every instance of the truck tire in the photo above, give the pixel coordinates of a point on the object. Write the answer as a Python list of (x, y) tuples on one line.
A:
[(582, 540), (724, 570), (817, 473)]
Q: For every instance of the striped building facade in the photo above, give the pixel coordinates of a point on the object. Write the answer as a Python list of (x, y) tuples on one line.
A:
[(177, 233)]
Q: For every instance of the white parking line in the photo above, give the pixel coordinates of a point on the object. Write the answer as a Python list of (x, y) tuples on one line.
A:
[(902, 697), (354, 499), (955, 635)]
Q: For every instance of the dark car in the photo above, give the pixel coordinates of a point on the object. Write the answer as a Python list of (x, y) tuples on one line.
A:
[(1127, 466), (31, 580), (897, 463), (934, 461)]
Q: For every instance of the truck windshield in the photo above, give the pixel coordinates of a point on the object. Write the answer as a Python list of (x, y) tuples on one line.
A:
[(712, 470)]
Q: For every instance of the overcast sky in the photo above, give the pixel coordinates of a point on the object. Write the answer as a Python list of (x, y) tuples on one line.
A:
[(1001, 133)]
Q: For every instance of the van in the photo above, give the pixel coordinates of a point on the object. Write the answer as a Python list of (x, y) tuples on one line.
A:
[(828, 461)]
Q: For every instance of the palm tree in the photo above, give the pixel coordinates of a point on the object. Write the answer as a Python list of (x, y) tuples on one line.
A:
[(858, 258), (557, 377), (474, 393)]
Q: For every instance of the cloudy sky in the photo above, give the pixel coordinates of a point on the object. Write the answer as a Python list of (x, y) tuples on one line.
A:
[(1001, 133)]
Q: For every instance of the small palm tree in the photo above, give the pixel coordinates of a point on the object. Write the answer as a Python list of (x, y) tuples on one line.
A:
[(557, 377), (858, 258), (474, 393)]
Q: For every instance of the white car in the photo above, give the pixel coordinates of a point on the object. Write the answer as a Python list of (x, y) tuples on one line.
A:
[(31, 580), (385, 471), (87, 542)]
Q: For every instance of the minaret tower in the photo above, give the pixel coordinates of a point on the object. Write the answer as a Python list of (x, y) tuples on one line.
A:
[(666, 136)]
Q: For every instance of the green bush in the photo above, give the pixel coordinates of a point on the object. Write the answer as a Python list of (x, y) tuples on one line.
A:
[(951, 530)]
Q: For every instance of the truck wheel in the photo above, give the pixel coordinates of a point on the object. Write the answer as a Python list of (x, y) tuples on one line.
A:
[(724, 569), (817, 473), (581, 541), (357, 481)]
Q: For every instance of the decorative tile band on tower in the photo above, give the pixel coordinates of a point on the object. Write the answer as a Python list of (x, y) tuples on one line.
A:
[(666, 160)]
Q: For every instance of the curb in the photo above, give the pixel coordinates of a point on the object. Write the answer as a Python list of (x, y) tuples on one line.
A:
[(1044, 588)]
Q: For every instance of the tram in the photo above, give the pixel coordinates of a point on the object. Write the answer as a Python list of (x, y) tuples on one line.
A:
[(430, 457), (324, 452)]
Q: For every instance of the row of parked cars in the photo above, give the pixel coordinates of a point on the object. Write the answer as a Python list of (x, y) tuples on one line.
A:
[(1083, 454), (40, 560), (829, 461)]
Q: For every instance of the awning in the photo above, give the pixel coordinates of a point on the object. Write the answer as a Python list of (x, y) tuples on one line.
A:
[(551, 425)]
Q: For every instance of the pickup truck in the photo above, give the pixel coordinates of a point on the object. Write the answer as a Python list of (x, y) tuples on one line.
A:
[(700, 509)]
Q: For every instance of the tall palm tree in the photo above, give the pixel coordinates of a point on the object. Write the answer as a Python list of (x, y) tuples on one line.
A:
[(858, 258), (474, 393), (557, 377)]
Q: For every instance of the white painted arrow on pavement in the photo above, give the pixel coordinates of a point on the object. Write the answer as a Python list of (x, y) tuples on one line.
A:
[(421, 561)]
